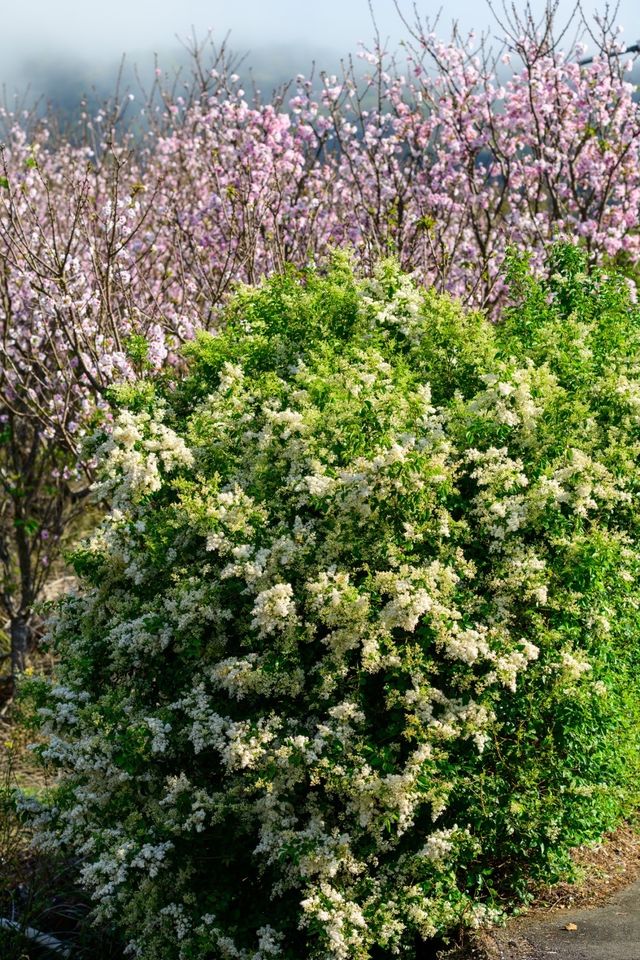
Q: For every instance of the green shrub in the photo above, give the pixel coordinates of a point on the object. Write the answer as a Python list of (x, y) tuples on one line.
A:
[(355, 652)]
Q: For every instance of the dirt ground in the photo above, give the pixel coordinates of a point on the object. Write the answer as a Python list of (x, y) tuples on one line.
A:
[(598, 919)]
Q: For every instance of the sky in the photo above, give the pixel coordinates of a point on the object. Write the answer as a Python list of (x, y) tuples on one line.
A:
[(89, 38)]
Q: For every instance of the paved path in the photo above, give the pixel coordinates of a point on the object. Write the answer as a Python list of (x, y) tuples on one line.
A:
[(610, 931)]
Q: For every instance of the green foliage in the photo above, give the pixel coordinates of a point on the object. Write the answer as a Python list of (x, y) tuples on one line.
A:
[(137, 349), (356, 651)]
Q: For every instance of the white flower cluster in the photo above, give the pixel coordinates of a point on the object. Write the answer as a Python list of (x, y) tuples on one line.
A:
[(137, 447), (273, 609), (403, 311)]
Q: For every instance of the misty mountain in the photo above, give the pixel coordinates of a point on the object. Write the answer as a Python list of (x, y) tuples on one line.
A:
[(63, 84)]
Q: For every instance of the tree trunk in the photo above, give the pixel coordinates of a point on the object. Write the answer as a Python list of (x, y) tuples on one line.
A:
[(19, 643)]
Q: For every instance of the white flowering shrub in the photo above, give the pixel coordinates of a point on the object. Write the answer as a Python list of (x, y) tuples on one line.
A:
[(355, 649)]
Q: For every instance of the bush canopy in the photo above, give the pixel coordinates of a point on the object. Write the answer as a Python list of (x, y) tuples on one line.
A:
[(354, 653)]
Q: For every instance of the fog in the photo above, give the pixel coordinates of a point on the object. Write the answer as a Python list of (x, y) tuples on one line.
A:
[(65, 44)]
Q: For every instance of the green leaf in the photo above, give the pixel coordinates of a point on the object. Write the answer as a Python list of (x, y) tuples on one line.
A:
[(4, 182)]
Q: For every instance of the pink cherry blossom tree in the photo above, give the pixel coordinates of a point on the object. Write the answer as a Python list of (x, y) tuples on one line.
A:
[(118, 242)]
